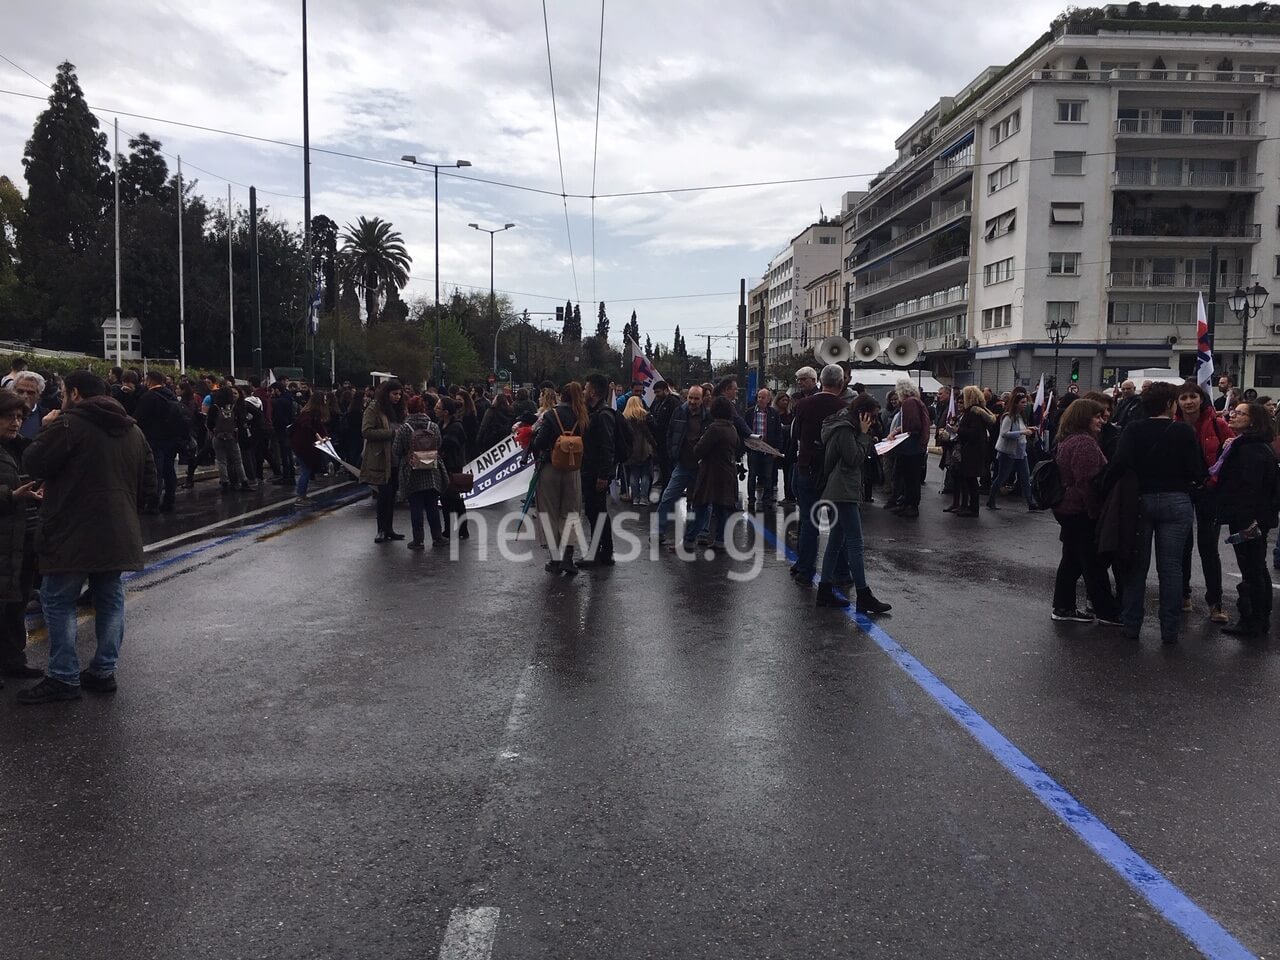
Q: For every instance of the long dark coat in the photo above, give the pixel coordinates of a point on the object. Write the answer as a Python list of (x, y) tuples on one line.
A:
[(717, 453)]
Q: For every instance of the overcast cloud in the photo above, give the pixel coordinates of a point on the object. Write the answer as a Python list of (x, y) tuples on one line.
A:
[(692, 94)]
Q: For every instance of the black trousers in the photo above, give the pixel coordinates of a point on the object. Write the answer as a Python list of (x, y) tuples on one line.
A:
[(387, 503), (286, 456), (1255, 587), (909, 475), (968, 489), (1205, 532), (1080, 558), (596, 505), (13, 616)]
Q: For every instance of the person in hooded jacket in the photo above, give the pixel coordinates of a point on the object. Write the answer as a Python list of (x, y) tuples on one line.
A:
[(19, 503), (846, 441), (1212, 433), (1246, 475), (226, 424), (420, 481), (98, 473), (381, 420), (252, 426)]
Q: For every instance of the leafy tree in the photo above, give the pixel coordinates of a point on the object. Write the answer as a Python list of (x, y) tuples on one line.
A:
[(374, 257), (59, 249), (11, 221), (631, 329), (143, 173), (572, 324), (602, 324), (324, 257)]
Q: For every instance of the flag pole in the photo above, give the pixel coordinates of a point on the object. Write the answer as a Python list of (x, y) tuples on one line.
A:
[(182, 304), (119, 347), (231, 289)]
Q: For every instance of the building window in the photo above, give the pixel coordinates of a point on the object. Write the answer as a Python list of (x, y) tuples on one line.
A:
[(997, 272), (1065, 264), (1163, 313), (1186, 71), (1068, 213), (1001, 224), (1266, 373), (1060, 311), (1002, 177), (997, 318), (1068, 162), (1006, 128), (1071, 111)]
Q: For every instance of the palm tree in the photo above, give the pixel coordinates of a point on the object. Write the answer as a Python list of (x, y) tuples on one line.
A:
[(374, 258)]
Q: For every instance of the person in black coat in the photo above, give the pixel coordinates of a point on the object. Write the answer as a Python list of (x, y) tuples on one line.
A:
[(1247, 505), (598, 467), (282, 413), (664, 406), (762, 468), (453, 451)]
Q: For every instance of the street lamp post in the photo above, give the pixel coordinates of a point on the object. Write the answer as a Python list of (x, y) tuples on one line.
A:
[(493, 302), (1246, 304), (1058, 329), (437, 370)]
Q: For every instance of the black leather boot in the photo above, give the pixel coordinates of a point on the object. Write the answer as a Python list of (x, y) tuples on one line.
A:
[(828, 598), (867, 602)]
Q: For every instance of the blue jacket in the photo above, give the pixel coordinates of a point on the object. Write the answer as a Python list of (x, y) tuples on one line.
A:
[(679, 424), (773, 426)]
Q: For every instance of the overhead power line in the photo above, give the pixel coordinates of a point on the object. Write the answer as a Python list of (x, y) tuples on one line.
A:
[(595, 152), (555, 116)]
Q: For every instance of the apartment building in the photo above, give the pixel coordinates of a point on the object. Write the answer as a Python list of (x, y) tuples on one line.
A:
[(757, 310), (812, 253), (1099, 182), (823, 305)]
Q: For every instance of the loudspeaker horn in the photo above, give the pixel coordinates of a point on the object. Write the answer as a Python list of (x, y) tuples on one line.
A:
[(866, 349), (833, 350), (903, 350)]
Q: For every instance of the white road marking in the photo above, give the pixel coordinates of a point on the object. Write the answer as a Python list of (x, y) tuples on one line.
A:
[(470, 933), (161, 544), (1231, 573)]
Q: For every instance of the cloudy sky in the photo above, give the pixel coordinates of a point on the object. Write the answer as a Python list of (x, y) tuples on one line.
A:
[(692, 94)]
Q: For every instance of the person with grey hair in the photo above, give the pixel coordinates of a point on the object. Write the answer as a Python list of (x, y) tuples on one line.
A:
[(30, 386), (806, 382), (912, 452), (806, 432)]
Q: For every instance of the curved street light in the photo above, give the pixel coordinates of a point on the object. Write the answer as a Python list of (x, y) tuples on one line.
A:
[(437, 367), (1246, 304)]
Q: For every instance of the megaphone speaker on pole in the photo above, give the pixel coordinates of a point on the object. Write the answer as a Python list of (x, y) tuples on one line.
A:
[(833, 350), (903, 351)]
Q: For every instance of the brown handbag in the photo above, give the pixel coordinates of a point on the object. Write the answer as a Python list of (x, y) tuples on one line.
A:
[(462, 482)]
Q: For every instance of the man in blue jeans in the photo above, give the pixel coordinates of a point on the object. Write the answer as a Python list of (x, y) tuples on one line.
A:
[(687, 424), (806, 431), (97, 472)]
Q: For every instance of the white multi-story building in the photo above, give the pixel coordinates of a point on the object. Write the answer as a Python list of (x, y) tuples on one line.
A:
[(813, 252), (1101, 180)]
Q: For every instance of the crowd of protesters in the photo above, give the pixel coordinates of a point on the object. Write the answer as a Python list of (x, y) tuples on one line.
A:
[(1164, 469)]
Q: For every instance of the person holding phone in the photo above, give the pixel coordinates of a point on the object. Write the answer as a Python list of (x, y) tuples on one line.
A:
[(847, 441), (19, 501)]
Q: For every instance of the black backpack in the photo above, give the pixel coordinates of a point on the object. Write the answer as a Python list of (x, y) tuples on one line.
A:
[(1046, 483)]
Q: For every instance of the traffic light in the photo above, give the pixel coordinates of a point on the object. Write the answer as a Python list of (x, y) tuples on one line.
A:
[(1075, 371)]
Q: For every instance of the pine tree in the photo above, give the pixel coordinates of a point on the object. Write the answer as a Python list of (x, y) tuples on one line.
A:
[(602, 324), (648, 346), (67, 187), (572, 328), (577, 323), (633, 328), (677, 345)]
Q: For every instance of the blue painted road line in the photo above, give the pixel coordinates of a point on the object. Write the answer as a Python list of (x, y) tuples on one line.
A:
[(1208, 936)]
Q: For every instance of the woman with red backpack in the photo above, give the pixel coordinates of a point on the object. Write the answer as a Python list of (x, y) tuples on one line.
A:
[(1212, 432)]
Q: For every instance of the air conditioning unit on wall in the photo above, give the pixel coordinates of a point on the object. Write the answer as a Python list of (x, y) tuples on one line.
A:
[(1275, 328)]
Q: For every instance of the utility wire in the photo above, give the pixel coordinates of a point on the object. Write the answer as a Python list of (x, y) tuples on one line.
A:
[(555, 116), (134, 136), (595, 152), (1155, 149)]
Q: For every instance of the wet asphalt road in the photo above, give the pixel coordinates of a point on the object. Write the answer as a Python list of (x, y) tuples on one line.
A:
[(324, 748)]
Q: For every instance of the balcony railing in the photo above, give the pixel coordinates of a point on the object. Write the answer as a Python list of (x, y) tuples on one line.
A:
[(1132, 74), (1170, 231), (1187, 127), (914, 233), (910, 308), (863, 290), (873, 216), (1190, 179), (1170, 281)]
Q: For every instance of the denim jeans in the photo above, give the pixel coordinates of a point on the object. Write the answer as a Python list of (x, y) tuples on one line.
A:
[(428, 502), (304, 479), (717, 513), (640, 479), (1205, 533), (845, 541), (1006, 467), (1166, 517), (58, 595), (166, 472), (807, 495), (762, 468), (682, 480)]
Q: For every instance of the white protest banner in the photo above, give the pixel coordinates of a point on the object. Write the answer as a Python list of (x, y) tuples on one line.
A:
[(884, 446), (501, 473), (326, 447)]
